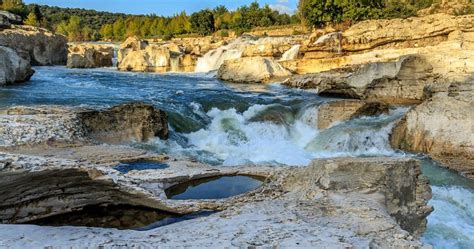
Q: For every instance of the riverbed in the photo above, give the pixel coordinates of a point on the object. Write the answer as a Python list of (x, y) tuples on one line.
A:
[(233, 124)]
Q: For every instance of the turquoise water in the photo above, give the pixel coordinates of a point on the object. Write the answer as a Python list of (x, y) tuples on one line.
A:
[(232, 124)]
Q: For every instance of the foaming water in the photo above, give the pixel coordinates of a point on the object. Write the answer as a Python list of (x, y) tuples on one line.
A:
[(451, 225), (213, 59), (281, 135)]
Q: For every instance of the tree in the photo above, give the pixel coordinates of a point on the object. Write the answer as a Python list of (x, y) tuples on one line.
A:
[(32, 20), (320, 12), (202, 22), (107, 31)]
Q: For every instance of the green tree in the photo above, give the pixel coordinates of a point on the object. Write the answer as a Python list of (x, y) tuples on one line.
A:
[(320, 12), (202, 22), (32, 20), (107, 31), (119, 29)]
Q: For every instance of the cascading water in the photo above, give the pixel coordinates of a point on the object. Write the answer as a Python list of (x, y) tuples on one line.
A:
[(275, 134), (115, 57), (213, 59)]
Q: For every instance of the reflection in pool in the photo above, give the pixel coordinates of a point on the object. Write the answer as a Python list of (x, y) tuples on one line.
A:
[(126, 167), (213, 187)]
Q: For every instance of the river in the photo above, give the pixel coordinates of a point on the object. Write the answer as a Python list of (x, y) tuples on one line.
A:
[(232, 124)]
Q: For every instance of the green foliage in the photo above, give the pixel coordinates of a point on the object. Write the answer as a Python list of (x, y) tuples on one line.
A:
[(32, 20), (202, 22), (81, 24), (319, 12), (75, 30)]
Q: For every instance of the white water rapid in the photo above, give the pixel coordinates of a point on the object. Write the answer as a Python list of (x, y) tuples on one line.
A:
[(274, 134), (213, 59)]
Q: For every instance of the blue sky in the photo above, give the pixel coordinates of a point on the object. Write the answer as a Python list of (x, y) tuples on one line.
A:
[(162, 7)]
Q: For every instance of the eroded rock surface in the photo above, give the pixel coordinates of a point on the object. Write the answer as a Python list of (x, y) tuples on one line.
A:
[(13, 68), (252, 70), (140, 55), (401, 81), (339, 111), (21, 126), (384, 203), (90, 56), (442, 127), (37, 45)]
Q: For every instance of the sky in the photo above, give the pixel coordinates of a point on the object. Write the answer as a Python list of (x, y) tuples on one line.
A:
[(163, 7)]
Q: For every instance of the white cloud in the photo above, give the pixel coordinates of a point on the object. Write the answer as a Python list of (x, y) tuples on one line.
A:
[(282, 8)]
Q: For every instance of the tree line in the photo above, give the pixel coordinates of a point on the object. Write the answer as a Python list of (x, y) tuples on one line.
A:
[(82, 25)]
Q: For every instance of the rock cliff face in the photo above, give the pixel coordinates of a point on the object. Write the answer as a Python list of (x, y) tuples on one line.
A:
[(90, 56), (442, 127), (402, 81), (138, 55), (444, 41), (37, 45), (26, 126), (252, 70), (13, 68), (342, 110)]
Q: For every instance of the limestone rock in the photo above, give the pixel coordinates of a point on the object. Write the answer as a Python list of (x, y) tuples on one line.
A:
[(402, 81), (90, 56), (37, 45), (405, 190), (345, 202), (445, 42), (27, 126), (139, 55), (126, 122), (342, 110), (13, 68), (7, 18), (394, 33), (442, 127), (252, 70)]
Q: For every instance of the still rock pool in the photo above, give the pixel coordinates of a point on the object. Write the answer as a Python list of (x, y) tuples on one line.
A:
[(231, 124)]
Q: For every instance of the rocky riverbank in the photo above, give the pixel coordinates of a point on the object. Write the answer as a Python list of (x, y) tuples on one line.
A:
[(24, 46)]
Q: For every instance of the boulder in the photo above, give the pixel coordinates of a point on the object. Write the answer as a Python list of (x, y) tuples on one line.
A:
[(7, 18), (136, 121), (37, 45), (90, 56), (252, 70), (402, 81), (339, 111), (442, 127), (27, 126), (13, 68)]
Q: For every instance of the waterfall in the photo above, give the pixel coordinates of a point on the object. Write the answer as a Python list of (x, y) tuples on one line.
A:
[(213, 59), (174, 64), (291, 54), (115, 55)]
